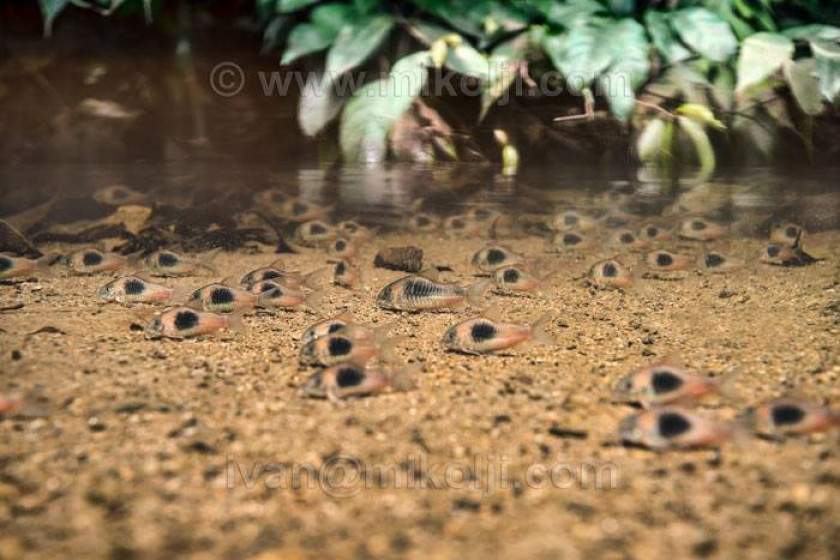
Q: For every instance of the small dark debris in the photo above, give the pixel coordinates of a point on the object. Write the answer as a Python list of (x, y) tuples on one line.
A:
[(466, 504), (16, 355), (704, 548), (211, 472), (501, 419), (130, 408), (96, 425), (136, 327), (14, 307), (406, 259), (202, 447), (48, 329), (584, 511)]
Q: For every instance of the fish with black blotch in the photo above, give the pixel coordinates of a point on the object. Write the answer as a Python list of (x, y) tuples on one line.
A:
[(120, 195), (342, 249), (344, 346), (186, 322), (348, 380), (342, 322), (664, 383), (423, 292), (719, 263), (494, 257), (609, 274), (134, 289), (291, 208), (12, 267), (460, 225), (654, 233), (573, 220), (777, 418), (220, 297), (315, 233), (624, 238), (352, 229), (571, 240), (346, 275), (673, 427), (486, 334), (787, 234), (276, 273), (667, 261), (517, 280), (274, 295), (169, 263), (94, 261), (422, 222), (780, 255), (701, 229)]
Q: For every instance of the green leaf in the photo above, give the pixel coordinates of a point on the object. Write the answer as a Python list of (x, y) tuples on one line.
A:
[(664, 38), (502, 66), (705, 32), (374, 108), (629, 45), (761, 55), (801, 76), (305, 38), (50, 10), (812, 32), (464, 59), (622, 8), (331, 18), (570, 13), (288, 6), (427, 33), (319, 105), (701, 142), (357, 42), (581, 54), (827, 55), (649, 143)]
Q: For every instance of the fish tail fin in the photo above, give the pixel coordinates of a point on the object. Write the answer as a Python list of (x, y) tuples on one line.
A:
[(135, 259), (236, 321), (539, 331), (313, 279), (44, 265), (387, 349), (475, 292), (727, 387), (402, 379), (181, 295), (315, 300)]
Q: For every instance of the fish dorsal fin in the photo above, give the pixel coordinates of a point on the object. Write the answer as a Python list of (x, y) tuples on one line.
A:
[(276, 263), (672, 359), (228, 281), (346, 316), (430, 274), (493, 313)]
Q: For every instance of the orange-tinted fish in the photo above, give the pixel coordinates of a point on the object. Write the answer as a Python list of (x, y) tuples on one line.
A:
[(654, 233), (667, 384), (341, 346), (572, 240), (315, 232), (609, 274), (272, 295), (346, 380), (718, 263), (168, 263), (515, 279), (133, 289), (701, 229), (355, 231), (494, 257), (422, 222), (20, 267), (668, 261), (486, 335), (342, 249), (624, 238), (419, 292), (572, 220), (221, 298), (460, 225), (185, 322), (342, 322), (673, 427), (787, 234), (786, 417), (347, 276), (780, 255), (93, 261), (119, 195), (276, 273)]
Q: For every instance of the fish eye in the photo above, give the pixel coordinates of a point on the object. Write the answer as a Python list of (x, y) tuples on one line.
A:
[(792, 231), (422, 221), (340, 245), (714, 260), (386, 294), (773, 251), (156, 324), (664, 259), (698, 225), (652, 231)]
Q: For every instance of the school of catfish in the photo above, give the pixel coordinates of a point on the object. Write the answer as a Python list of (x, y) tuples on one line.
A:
[(352, 360)]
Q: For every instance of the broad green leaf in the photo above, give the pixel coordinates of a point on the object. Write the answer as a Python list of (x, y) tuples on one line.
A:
[(274, 33), (357, 42), (580, 54), (701, 114), (304, 39), (705, 32), (331, 18), (571, 13), (700, 140), (266, 8), (664, 38), (801, 76), (427, 33), (622, 8), (827, 55), (630, 68), (503, 64), (464, 59), (288, 6), (812, 32), (365, 6), (50, 10), (319, 105), (374, 108), (649, 143), (762, 55)]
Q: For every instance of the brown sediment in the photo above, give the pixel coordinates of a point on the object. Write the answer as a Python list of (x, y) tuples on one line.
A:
[(206, 448)]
